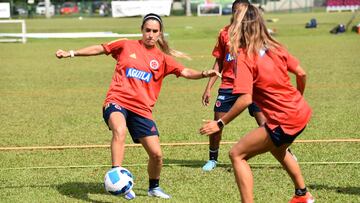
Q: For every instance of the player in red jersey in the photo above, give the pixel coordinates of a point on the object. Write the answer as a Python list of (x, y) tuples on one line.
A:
[(262, 76), (224, 63), (140, 69)]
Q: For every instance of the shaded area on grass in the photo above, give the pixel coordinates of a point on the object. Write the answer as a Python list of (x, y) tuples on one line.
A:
[(81, 191), (351, 190)]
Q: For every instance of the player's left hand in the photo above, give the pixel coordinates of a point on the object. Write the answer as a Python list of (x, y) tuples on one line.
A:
[(209, 127), (62, 54)]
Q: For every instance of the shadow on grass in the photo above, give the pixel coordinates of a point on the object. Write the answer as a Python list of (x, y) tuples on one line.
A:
[(81, 191), (200, 163), (343, 190), (187, 163), (191, 163)]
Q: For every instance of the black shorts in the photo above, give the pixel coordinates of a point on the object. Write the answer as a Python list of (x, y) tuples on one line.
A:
[(279, 137), (137, 125), (226, 99)]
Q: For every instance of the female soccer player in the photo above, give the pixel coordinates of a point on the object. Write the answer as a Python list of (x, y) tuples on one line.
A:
[(224, 63), (262, 76), (140, 69)]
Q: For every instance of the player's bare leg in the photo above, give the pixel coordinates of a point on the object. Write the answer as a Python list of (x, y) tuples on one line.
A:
[(292, 167), (153, 149), (117, 125), (255, 142)]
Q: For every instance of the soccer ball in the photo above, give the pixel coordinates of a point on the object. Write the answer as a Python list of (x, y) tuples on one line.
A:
[(118, 181)]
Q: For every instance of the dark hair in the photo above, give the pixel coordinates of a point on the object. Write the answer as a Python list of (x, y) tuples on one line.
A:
[(162, 43), (152, 16), (238, 2)]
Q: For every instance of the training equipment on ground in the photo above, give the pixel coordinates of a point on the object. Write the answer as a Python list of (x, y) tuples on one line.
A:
[(338, 29), (343, 28), (311, 24), (356, 28), (351, 19), (118, 181), (272, 20), (271, 31)]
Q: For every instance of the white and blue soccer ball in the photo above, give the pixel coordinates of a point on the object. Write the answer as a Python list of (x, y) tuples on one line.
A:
[(118, 181)]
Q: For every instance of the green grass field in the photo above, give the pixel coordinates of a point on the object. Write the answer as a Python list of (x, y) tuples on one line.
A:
[(50, 102)]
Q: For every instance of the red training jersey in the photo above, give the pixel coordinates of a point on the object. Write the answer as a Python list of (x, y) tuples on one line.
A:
[(222, 52), (267, 79), (138, 75)]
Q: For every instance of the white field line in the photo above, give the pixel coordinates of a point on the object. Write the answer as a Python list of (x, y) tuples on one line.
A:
[(162, 144), (143, 165)]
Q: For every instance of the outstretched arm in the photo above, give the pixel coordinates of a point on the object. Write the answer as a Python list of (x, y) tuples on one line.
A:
[(300, 79), (87, 51), (207, 92), (194, 74)]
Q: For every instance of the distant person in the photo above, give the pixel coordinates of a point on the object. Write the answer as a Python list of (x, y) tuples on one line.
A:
[(261, 76), (140, 69), (225, 64), (102, 10)]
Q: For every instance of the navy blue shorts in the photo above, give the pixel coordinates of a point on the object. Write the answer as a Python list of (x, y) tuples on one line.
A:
[(137, 125), (279, 137), (226, 99)]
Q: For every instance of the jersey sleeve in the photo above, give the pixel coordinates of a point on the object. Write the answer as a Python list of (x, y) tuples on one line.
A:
[(289, 60), (292, 62), (172, 66), (219, 49), (114, 47), (243, 83)]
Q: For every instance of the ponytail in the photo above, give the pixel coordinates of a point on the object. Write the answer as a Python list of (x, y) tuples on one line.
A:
[(164, 47)]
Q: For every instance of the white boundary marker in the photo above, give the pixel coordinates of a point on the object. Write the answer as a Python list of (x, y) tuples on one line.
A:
[(220, 164), (162, 144), (68, 35)]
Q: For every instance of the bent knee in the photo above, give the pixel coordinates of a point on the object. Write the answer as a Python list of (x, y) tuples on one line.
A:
[(236, 154), (119, 133), (157, 156)]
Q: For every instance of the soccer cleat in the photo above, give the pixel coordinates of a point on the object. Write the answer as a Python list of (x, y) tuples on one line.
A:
[(307, 198), (130, 195), (210, 165), (158, 192)]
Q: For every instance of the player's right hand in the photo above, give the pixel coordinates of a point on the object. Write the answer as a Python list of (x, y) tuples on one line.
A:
[(206, 98)]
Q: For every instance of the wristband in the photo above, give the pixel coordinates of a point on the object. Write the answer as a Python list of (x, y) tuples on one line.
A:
[(202, 74), (220, 123), (72, 53)]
